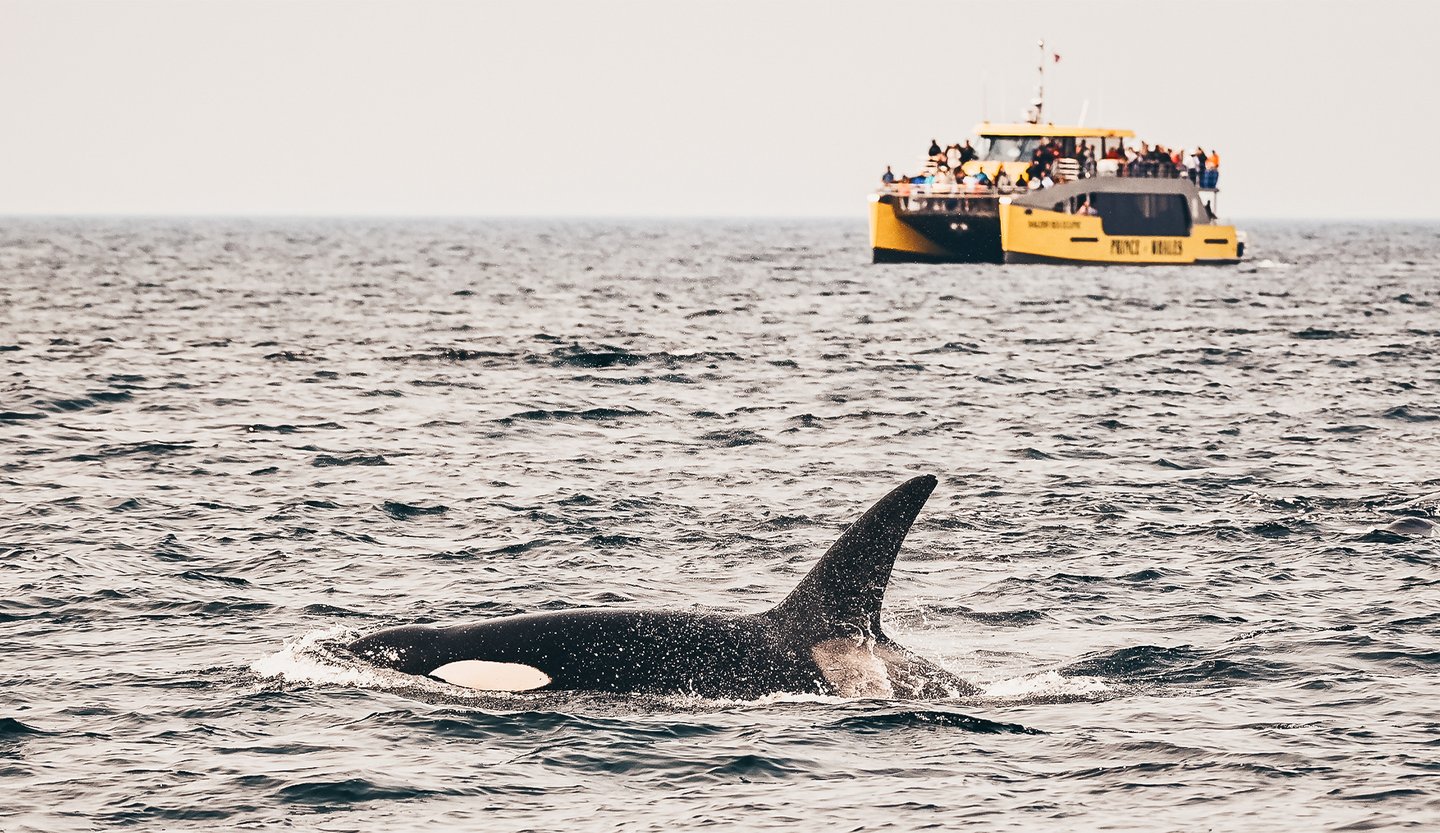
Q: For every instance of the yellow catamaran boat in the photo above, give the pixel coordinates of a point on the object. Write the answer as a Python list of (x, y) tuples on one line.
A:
[(1095, 206)]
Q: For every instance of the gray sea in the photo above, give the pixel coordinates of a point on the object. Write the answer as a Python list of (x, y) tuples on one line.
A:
[(1182, 541)]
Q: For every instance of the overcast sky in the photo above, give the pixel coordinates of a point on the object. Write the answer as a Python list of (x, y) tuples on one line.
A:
[(665, 108)]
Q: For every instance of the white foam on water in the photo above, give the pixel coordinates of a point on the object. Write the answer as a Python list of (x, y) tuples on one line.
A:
[(304, 659), (696, 702), (1046, 684), (794, 697)]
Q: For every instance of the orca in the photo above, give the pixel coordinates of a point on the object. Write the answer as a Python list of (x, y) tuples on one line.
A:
[(824, 638)]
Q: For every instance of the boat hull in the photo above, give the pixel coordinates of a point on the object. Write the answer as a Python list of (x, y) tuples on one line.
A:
[(949, 231), (1033, 235), (1105, 220)]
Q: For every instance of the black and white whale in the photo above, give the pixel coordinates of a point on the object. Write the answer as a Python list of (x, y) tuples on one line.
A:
[(824, 638)]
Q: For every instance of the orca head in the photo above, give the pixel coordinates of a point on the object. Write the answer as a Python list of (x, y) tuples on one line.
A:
[(424, 651), (410, 649)]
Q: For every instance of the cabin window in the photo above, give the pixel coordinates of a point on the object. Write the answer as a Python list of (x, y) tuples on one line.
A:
[(1162, 215), (1011, 148)]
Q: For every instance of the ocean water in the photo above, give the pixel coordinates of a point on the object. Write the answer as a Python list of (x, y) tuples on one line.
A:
[(1182, 539)]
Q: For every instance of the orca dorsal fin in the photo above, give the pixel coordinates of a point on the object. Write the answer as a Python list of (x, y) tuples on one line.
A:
[(844, 591)]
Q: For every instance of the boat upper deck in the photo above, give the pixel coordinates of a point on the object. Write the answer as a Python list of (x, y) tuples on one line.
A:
[(1027, 156), (1016, 160), (1071, 196)]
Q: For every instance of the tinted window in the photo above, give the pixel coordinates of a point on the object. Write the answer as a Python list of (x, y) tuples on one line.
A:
[(1166, 215), (1011, 148)]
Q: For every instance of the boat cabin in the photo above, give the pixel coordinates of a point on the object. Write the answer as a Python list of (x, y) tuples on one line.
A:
[(1017, 142), (1011, 147)]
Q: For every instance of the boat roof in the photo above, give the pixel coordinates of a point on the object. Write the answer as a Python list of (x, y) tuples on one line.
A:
[(1059, 131)]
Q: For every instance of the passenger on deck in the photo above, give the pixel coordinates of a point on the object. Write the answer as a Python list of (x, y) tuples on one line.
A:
[(1002, 179), (1211, 179), (1084, 158), (967, 153), (887, 178), (1140, 165), (1169, 162), (934, 149), (1043, 155), (1131, 166), (1160, 161), (1086, 208), (1157, 161)]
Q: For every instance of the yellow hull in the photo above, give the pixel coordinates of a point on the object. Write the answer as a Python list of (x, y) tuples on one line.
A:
[(957, 234), (1035, 235), (891, 234)]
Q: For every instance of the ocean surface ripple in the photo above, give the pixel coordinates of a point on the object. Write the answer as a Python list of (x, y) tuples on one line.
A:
[(1184, 539)]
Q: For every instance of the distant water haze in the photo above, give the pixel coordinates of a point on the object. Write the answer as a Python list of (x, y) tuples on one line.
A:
[(664, 109)]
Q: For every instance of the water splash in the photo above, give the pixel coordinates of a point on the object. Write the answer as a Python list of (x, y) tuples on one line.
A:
[(1045, 685), (308, 658)]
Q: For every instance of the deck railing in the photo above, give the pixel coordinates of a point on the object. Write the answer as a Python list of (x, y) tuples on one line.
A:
[(1204, 180), (975, 199), (947, 191)]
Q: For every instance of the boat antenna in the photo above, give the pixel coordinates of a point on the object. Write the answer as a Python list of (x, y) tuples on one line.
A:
[(1037, 107)]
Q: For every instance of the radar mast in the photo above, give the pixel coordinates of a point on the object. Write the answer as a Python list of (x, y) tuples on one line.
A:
[(1037, 106)]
